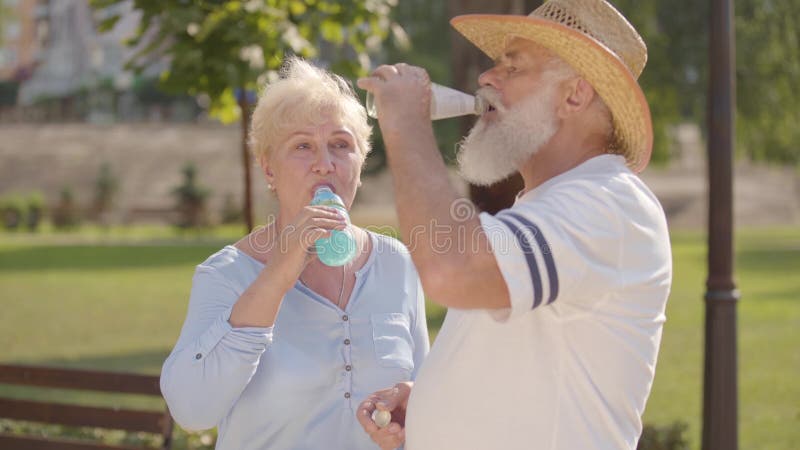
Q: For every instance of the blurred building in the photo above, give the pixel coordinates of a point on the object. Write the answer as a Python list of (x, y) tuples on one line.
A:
[(62, 68), (21, 40), (64, 62)]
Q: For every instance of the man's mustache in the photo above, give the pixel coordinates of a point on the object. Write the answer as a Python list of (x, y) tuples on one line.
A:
[(492, 97)]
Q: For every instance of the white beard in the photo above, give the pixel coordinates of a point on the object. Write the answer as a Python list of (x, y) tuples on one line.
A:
[(492, 152)]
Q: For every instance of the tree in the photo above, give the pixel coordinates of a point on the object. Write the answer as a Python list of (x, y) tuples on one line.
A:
[(223, 48), (767, 69), (767, 74), (418, 41)]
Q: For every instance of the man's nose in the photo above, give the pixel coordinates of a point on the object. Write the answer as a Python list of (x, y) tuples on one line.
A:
[(490, 78)]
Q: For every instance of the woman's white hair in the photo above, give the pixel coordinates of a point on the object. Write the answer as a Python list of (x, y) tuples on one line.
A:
[(305, 95)]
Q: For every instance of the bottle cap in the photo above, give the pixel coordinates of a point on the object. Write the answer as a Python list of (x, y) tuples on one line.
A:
[(324, 196)]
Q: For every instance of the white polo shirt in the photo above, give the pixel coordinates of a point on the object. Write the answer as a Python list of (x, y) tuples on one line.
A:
[(586, 257)]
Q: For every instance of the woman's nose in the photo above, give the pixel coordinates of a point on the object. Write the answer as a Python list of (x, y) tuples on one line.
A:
[(323, 163)]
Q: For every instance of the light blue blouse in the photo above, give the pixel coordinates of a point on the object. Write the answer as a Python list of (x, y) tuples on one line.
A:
[(295, 385)]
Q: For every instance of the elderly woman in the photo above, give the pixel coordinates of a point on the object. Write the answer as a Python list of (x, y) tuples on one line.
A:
[(277, 349)]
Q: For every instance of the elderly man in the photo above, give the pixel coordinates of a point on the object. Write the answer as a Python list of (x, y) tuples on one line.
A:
[(556, 304)]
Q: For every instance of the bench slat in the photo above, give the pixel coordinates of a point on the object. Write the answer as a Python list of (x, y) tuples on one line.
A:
[(82, 416), (34, 443), (92, 380)]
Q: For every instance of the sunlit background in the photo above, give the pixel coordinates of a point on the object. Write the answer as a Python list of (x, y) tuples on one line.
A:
[(122, 167)]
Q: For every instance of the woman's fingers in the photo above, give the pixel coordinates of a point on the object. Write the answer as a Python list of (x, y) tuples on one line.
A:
[(327, 223), (320, 228), (364, 417), (321, 212), (389, 438), (393, 435), (313, 223)]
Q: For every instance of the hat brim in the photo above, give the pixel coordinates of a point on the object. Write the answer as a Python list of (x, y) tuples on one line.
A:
[(607, 74)]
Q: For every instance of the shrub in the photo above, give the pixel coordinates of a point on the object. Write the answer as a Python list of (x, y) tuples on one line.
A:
[(35, 209), (13, 211), (667, 437), (191, 199), (105, 188), (65, 213), (181, 440), (8, 92)]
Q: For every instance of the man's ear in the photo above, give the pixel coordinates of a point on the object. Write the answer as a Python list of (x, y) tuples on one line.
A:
[(578, 96)]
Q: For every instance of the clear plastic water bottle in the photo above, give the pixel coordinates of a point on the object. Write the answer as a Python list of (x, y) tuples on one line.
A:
[(340, 248), (445, 103)]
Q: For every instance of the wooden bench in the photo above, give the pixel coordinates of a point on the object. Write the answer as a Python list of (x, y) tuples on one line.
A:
[(155, 422)]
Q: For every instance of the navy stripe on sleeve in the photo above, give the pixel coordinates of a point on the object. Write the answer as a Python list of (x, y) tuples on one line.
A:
[(533, 267), (549, 262)]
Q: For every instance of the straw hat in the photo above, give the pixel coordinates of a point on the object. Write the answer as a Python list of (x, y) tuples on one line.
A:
[(599, 43)]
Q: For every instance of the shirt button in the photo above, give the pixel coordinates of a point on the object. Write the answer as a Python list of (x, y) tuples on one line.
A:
[(346, 395), (345, 318), (198, 356), (348, 368), (347, 342)]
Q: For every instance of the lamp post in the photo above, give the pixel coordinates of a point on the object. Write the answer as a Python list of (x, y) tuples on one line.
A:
[(720, 400)]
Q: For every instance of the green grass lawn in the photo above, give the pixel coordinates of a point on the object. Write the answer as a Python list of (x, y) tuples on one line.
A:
[(115, 299), (767, 268)]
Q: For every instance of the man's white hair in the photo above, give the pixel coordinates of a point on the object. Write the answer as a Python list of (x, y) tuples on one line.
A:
[(492, 152)]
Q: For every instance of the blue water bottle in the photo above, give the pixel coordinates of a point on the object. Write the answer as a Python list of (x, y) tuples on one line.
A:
[(340, 247)]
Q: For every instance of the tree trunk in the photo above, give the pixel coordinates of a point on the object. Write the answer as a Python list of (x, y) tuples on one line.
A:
[(245, 106), (468, 62)]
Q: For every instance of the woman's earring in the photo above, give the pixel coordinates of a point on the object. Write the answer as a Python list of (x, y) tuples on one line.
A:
[(270, 187)]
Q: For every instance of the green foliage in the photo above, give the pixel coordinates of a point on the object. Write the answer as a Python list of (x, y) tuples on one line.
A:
[(669, 437), (181, 440), (85, 434), (8, 92), (418, 39), (17, 210), (216, 47), (35, 209), (675, 34), (12, 208), (65, 214), (105, 187), (191, 199), (767, 69), (148, 91), (767, 74)]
